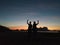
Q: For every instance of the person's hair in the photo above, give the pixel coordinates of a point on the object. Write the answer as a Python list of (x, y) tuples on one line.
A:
[(34, 22), (30, 22)]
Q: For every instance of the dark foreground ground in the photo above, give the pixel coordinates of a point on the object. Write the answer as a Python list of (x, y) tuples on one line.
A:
[(25, 38)]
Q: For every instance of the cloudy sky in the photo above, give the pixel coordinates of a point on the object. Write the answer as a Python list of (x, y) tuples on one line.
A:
[(16, 12)]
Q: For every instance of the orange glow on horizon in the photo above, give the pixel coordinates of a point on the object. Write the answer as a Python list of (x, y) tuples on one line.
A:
[(54, 27), (25, 27), (18, 27)]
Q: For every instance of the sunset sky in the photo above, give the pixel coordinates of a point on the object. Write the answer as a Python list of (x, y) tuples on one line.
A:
[(14, 13)]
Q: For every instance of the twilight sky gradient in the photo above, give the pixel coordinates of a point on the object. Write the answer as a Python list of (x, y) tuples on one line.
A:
[(14, 13)]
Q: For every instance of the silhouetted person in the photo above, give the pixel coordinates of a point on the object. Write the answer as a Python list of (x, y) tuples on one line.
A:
[(29, 26), (35, 26), (29, 29), (35, 29)]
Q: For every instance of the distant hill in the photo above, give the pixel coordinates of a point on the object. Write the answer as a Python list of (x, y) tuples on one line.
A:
[(4, 29)]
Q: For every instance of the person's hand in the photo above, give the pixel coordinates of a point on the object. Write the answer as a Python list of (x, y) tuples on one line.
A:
[(28, 20), (37, 21)]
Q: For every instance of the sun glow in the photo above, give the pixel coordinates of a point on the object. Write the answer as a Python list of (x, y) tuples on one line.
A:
[(18, 27), (26, 27)]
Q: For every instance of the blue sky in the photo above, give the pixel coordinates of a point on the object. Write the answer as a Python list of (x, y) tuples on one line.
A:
[(16, 12)]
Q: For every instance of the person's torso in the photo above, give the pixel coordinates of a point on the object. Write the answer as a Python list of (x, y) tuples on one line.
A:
[(34, 26), (30, 26)]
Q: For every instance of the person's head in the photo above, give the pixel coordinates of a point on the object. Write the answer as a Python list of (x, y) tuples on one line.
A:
[(34, 22), (30, 22)]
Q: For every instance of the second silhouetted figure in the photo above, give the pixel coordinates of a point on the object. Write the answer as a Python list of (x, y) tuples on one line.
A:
[(35, 26)]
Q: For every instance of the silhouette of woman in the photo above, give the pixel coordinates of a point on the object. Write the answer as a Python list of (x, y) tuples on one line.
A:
[(35, 25), (29, 26)]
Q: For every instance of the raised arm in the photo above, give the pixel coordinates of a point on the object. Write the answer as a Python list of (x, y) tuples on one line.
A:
[(37, 21), (27, 22)]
